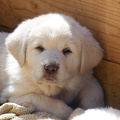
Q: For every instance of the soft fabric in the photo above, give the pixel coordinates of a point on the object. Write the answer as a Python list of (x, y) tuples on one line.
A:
[(12, 111), (107, 113)]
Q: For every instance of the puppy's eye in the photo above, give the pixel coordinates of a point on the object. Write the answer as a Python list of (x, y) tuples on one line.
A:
[(40, 48), (66, 51)]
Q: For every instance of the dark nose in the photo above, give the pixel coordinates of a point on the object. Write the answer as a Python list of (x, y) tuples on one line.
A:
[(51, 68)]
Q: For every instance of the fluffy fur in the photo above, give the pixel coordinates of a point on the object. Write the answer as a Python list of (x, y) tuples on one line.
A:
[(71, 49), (96, 114)]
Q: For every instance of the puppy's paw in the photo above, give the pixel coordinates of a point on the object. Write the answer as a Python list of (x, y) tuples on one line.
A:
[(76, 112), (63, 111)]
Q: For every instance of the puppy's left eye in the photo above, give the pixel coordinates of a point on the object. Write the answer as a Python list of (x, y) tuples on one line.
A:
[(66, 51), (41, 48)]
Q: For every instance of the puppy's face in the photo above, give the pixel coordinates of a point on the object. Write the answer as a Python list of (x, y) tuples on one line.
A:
[(53, 55), (54, 48)]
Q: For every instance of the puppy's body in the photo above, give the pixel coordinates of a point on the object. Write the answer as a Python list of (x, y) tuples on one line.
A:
[(49, 65)]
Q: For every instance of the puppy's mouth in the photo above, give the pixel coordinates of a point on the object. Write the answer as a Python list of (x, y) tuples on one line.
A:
[(50, 78)]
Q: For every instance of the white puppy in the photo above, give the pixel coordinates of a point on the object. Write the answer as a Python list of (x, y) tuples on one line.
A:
[(49, 64), (96, 114)]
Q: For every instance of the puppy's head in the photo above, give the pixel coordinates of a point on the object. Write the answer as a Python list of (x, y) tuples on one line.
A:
[(54, 47)]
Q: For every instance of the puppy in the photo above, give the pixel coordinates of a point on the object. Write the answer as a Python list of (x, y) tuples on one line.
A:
[(49, 64), (96, 114)]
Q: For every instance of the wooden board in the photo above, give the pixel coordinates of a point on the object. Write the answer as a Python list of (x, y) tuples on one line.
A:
[(101, 16), (108, 74)]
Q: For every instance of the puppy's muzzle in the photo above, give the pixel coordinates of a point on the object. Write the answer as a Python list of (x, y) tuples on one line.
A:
[(51, 68)]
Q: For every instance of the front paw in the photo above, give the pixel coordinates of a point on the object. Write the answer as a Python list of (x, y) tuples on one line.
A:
[(76, 112), (63, 111)]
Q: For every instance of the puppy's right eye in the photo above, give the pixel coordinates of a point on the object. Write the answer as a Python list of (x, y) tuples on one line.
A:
[(40, 48), (66, 51)]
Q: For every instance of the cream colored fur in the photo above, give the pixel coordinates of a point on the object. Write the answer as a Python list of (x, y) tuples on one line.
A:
[(28, 82)]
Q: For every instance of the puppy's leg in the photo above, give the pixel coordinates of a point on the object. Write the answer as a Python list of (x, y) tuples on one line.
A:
[(44, 103), (92, 95)]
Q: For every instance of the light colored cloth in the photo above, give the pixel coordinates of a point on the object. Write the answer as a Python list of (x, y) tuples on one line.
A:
[(12, 111)]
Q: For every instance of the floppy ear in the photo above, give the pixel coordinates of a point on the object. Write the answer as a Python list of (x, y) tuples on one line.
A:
[(16, 45), (91, 53)]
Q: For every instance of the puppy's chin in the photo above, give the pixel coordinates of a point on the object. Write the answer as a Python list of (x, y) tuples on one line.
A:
[(49, 81)]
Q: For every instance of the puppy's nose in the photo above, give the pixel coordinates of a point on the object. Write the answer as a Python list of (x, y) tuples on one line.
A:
[(51, 68)]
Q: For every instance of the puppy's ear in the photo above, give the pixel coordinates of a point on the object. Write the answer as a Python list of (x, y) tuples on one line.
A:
[(16, 45), (91, 53)]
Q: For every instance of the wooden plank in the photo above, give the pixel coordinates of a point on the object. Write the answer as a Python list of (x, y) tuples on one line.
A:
[(112, 95), (108, 74), (5, 29), (101, 16)]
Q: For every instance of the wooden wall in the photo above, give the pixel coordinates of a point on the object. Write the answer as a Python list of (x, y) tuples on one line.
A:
[(102, 17)]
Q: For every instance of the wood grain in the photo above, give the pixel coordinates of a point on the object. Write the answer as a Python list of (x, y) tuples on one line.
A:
[(108, 74), (101, 16)]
